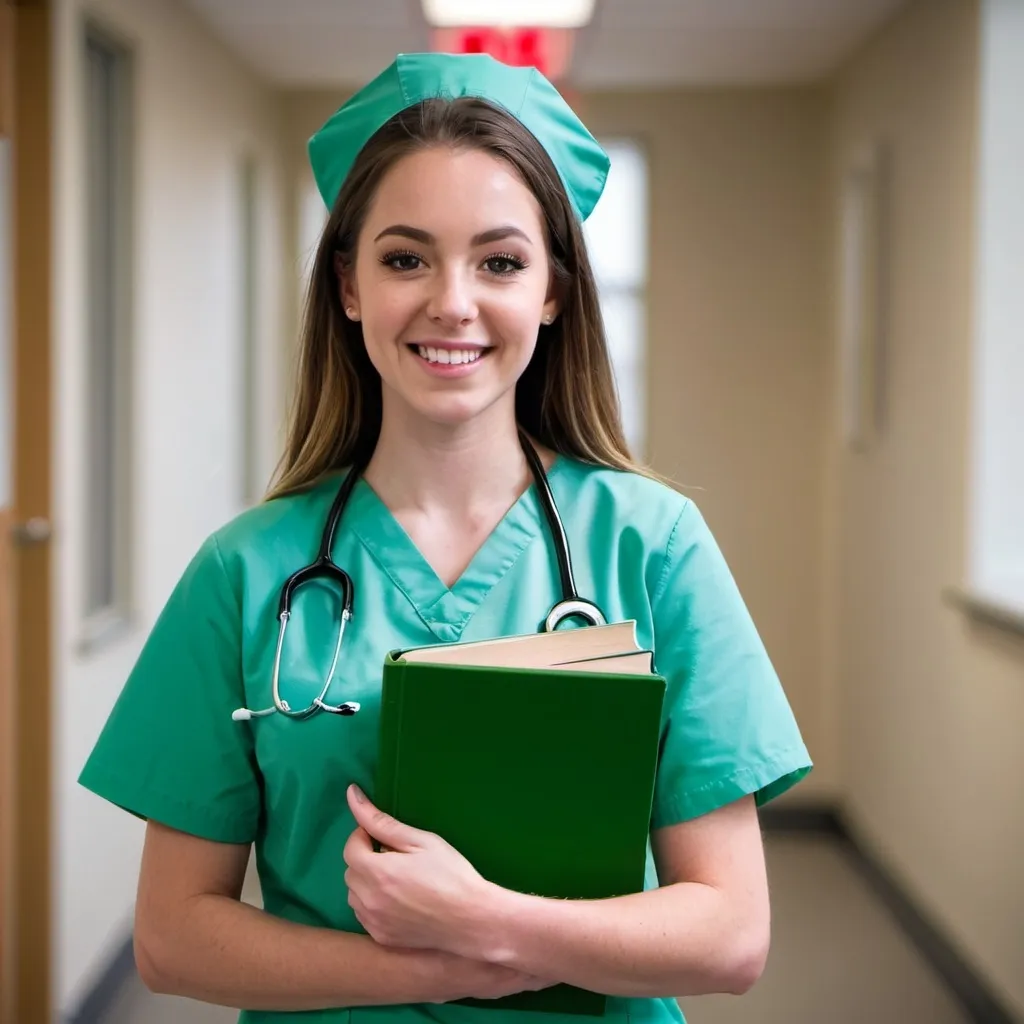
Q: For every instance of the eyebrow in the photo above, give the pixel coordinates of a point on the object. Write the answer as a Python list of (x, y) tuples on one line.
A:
[(484, 238)]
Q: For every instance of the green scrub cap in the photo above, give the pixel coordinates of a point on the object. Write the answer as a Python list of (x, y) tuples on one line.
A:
[(523, 92)]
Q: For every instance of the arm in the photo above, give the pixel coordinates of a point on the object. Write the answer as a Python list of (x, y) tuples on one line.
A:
[(706, 930), (193, 937)]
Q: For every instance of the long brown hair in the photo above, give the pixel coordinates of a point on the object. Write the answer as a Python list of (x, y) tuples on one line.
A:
[(565, 398)]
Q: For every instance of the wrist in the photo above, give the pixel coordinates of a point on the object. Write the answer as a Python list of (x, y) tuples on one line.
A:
[(495, 934)]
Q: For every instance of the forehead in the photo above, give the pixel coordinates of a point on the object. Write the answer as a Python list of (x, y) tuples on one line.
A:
[(458, 190)]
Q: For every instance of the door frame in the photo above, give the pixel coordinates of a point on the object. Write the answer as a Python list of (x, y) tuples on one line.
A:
[(7, 732), (28, 889)]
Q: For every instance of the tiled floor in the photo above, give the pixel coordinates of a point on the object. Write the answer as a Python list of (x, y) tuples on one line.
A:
[(837, 958)]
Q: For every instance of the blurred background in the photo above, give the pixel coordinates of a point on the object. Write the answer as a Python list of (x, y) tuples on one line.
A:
[(810, 256)]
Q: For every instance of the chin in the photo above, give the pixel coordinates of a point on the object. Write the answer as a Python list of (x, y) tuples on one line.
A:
[(452, 410)]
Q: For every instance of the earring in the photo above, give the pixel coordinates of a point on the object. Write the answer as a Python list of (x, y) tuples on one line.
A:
[(548, 318), (350, 312)]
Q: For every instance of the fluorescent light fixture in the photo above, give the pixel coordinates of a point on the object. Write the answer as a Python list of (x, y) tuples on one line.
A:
[(509, 13)]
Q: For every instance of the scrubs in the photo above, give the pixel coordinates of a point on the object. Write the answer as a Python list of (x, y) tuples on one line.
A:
[(171, 752)]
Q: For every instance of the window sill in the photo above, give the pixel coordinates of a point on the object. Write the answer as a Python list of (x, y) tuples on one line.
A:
[(991, 610), (102, 630)]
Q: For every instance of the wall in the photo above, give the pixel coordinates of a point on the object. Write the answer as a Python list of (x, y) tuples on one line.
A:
[(197, 110), (931, 706), (736, 332), (736, 366)]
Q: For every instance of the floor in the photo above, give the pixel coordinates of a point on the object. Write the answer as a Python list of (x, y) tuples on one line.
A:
[(837, 958)]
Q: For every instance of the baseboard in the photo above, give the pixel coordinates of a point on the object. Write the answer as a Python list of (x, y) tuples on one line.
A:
[(972, 991), (100, 999), (789, 818)]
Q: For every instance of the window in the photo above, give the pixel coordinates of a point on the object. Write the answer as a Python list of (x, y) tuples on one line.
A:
[(995, 572), (108, 174), (249, 484), (616, 234), (313, 218)]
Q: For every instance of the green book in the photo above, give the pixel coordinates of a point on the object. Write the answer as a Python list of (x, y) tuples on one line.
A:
[(535, 757)]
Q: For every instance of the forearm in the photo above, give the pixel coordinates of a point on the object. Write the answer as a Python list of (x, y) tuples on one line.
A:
[(226, 952), (679, 940)]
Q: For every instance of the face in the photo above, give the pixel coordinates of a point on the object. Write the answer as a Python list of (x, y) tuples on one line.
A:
[(451, 283)]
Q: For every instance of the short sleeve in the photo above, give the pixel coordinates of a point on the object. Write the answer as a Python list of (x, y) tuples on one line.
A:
[(728, 729), (169, 750)]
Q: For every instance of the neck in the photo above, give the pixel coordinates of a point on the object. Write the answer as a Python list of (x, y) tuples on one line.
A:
[(424, 466)]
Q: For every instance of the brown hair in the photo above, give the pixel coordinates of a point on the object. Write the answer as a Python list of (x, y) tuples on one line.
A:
[(565, 398)]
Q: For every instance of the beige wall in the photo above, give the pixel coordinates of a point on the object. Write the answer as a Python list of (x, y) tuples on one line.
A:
[(933, 764), (736, 370), (736, 344), (197, 110)]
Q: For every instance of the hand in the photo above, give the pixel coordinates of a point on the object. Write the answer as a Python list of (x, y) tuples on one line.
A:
[(421, 893), (462, 978)]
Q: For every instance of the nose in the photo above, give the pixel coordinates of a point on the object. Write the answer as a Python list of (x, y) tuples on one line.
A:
[(452, 302)]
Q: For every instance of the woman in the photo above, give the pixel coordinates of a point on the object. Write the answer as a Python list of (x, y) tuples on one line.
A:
[(451, 307)]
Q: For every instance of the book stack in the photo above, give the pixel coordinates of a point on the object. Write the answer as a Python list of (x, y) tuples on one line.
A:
[(535, 757)]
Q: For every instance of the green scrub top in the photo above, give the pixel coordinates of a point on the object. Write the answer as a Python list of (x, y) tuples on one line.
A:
[(171, 752)]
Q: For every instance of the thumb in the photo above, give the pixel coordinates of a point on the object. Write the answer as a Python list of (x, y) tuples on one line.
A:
[(381, 826)]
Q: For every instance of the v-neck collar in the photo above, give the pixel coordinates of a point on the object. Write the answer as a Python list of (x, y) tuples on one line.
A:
[(444, 610)]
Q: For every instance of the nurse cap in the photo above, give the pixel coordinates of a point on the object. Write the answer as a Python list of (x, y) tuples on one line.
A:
[(523, 92)]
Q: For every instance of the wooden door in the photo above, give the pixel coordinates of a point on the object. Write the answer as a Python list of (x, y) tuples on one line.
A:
[(25, 706)]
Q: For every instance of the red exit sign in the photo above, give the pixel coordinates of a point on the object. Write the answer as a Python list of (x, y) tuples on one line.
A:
[(546, 49)]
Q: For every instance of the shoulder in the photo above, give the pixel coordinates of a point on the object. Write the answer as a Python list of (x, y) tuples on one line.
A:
[(600, 493), (274, 528), (643, 521)]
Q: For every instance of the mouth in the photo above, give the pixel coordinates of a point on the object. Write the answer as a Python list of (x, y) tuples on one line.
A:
[(436, 356)]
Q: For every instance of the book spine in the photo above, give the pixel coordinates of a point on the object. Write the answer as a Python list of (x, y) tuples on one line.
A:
[(393, 689)]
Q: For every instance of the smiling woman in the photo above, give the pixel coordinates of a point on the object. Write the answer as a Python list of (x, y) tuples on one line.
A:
[(454, 390)]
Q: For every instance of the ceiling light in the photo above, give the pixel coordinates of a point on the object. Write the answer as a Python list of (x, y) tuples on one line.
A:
[(535, 13)]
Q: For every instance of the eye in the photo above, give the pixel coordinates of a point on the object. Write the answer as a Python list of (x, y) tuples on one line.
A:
[(401, 261), (504, 265)]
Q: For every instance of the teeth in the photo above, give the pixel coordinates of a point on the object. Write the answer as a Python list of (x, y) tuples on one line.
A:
[(446, 356)]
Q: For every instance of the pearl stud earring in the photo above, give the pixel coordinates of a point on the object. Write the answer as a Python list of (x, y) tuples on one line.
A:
[(548, 318)]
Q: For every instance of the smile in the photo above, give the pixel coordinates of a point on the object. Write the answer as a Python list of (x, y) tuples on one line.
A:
[(449, 356)]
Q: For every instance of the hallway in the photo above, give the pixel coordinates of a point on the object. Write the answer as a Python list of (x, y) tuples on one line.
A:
[(806, 259), (837, 958)]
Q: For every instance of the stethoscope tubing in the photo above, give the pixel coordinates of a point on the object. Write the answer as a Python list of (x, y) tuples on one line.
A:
[(324, 566)]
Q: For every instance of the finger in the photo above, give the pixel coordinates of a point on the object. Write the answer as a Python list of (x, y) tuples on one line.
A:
[(358, 847), (381, 826), (357, 905), (359, 910)]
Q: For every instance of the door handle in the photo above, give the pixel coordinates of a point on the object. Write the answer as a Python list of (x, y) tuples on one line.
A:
[(36, 530)]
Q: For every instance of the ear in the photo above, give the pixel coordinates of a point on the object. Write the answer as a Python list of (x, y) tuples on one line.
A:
[(347, 287), (553, 304)]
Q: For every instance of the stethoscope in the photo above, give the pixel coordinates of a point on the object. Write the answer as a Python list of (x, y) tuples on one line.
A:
[(324, 567)]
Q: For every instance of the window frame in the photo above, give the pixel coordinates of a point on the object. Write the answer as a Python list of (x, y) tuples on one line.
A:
[(104, 617)]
